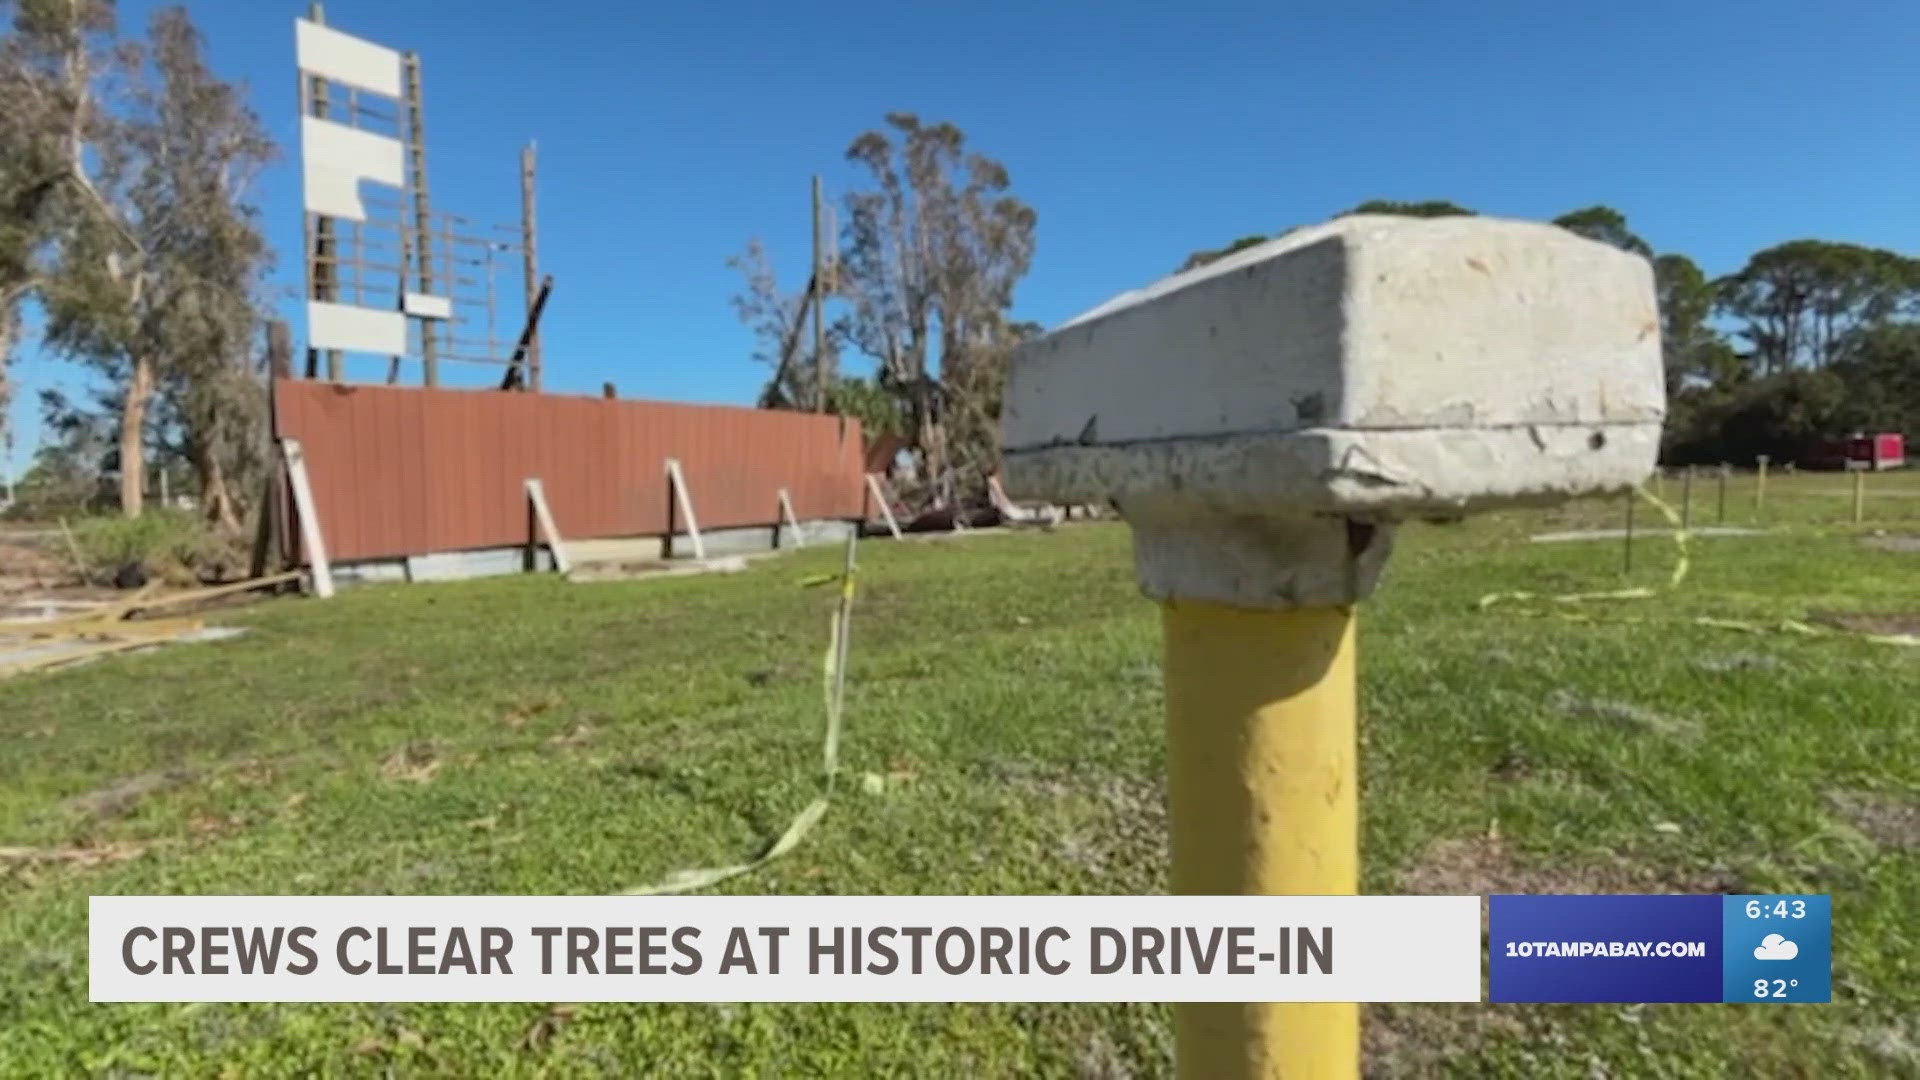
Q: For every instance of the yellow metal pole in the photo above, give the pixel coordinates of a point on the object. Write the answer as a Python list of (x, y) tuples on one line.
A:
[(1261, 749), (1859, 496)]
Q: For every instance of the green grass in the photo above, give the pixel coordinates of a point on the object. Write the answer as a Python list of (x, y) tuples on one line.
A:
[(588, 738)]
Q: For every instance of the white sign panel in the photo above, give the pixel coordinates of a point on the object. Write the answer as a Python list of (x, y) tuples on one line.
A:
[(333, 55), (336, 158), (356, 329)]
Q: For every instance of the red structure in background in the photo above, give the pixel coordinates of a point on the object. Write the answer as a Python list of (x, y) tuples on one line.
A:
[(408, 470), (1879, 451)]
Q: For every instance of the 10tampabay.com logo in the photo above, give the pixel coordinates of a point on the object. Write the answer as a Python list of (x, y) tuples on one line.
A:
[(1763, 949)]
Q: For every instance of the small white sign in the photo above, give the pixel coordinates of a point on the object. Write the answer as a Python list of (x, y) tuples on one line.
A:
[(784, 948)]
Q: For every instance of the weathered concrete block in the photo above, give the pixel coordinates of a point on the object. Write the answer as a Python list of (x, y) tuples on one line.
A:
[(1321, 386)]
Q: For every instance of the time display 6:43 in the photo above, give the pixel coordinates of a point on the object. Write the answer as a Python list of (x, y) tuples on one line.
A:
[(1779, 909)]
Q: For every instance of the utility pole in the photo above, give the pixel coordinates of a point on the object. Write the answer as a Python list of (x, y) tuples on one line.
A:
[(422, 212), (821, 375), (530, 260)]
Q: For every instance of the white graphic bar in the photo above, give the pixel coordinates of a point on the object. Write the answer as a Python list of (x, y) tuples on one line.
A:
[(784, 948)]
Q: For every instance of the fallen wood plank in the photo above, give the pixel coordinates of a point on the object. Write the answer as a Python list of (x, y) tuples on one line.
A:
[(51, 660), (110, 612), (212, 591), (145, 629), (119, 610)]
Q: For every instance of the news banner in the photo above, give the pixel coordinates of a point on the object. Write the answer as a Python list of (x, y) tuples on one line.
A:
[(1655, 948)]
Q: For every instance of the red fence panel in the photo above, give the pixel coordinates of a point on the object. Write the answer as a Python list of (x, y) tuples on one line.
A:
[(407, 470)]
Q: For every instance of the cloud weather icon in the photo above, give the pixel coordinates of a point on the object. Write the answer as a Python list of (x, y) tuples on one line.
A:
[(1775, 947)]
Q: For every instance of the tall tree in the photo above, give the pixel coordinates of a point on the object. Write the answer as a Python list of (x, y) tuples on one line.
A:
[(1607, 225), (47, 62), (933, 253), (1801, 302), (1880, 368), (1689, 345), (155, 282)]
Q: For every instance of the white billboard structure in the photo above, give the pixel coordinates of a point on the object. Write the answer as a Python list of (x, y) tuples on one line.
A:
[(386, 276)]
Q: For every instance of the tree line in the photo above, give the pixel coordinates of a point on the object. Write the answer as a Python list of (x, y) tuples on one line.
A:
[(125, 173), (921, 284), (1807, 340)]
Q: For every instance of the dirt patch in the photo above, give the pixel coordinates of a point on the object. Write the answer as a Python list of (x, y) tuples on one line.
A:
[(1906, 544), (1625, 714), (1419, 1040), (1896, 1045), (120, 797), (1888, 820), (29, 563), (1735, 663), (414, 763), (24, 859), (1861, 622), (1483, 866)]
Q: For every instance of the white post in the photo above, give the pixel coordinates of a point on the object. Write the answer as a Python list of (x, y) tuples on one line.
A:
[(886, 509), (684, 501), (537, 496), (788, 518), (309, 518)]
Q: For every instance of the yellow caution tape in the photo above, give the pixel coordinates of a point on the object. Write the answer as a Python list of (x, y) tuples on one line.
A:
[(834, 685), (1682, 564)]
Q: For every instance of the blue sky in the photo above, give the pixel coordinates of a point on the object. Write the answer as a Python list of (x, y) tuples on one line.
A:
[(670, 134)]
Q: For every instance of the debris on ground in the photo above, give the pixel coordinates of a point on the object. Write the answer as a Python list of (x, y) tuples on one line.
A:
[(51, 633)]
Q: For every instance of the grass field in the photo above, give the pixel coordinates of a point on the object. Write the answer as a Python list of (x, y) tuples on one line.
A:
[(525, 735)]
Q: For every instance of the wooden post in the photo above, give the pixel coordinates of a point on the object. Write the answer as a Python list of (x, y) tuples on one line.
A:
[(821, 377), (323, 250), (1627, 549), (543, 520), (422, 214), (1686, 500), (310, 537), (268, 537), (682, 500), (1760, 488), (530, 260), (886, 510), (1720, 500), (787, 518), (279, 350), (1859, 495)]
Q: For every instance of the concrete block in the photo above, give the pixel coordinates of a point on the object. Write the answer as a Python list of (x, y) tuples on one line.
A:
[(1353, 374)]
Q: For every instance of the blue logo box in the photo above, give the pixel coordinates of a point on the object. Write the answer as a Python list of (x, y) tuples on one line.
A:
[(1759, 949), (1778, 948)]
